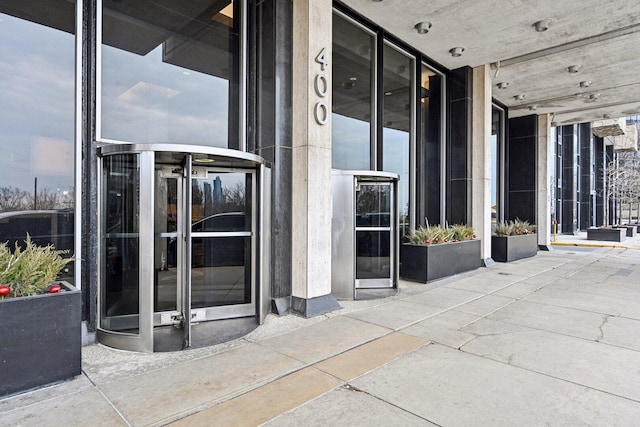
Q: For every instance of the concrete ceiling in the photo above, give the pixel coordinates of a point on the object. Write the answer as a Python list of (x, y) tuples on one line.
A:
[(601, 38)]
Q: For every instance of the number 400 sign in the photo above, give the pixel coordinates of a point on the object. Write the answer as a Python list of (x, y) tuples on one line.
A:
[(321, 86)]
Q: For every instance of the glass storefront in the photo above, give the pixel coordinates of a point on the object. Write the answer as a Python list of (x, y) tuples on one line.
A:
[(37, 124), (381, 122), (171, 74), (353, 94), (497, 162), (398, 123)]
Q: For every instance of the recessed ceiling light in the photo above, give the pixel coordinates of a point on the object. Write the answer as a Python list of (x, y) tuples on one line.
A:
[(519, 97), (585, 83), (388, 93), (423, 27), (542, 25), (533, 107), (606, 116), (573, 68), (456, 51), (353, 79), (502, 85), (203, 160)]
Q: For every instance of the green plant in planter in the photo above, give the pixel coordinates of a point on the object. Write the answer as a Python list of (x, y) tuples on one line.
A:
[(437, 234), (29, 271), (514, 228)]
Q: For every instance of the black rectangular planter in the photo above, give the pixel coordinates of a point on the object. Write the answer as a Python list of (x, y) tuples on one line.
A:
[(511, 248), (40, 340), (632, 230), (430, 262), (607, 234)]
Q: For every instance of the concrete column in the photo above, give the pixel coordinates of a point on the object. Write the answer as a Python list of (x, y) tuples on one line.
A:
[(543, 185), (311, 163), (481, 159)]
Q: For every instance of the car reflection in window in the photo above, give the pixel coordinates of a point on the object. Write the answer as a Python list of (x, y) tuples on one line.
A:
[(219, 251), (45, 227)]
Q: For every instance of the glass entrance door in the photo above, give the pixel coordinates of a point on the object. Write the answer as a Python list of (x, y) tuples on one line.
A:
[(180, 242), (374, 230), (203, 249)]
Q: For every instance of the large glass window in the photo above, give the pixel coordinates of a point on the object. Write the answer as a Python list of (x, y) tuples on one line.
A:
[(497, 143), (352, 76), (171, 72), (37, 143), (397, 87)]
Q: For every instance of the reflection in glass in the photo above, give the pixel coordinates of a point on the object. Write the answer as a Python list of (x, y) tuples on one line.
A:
[(37, 154), (373, 206), (120, 290), (165, 243), (221, 265), (397, 76), (373, 231), (220, 202), (220, 271), (170, 72), (352, 70), (430, 147)]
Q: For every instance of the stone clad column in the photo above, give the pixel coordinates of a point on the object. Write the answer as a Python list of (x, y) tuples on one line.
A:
[(481, 160), (543, 216), (311, 177)]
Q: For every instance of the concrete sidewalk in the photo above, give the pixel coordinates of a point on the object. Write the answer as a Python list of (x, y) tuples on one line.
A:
[(551, 340), (580, 239)]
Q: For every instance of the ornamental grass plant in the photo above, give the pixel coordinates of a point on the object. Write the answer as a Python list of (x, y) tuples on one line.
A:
[(30, 270), (438, 234), (514, 228)]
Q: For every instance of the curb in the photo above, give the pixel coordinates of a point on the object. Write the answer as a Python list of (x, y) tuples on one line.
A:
[(592, 245)]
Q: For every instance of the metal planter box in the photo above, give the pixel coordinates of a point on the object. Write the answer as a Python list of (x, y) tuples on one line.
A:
[(425, 263), (511, 248), (40, 340), (607, 234)]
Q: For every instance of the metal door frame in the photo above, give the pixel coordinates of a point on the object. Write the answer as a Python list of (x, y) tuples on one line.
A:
[(227, 160), (386, 282)]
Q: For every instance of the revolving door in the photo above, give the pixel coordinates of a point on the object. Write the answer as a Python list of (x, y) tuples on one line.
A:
[(184, 241)]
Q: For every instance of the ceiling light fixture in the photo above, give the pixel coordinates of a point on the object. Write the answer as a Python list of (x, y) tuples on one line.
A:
[(533, 107), (456, 51), (573, 69), (502, 85), (203, 160), (423, 27), (606, 116), (519, 97), (585, 83), (542, 25), (593, 97)]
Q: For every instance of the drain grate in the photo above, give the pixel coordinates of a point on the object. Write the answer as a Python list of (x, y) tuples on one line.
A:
[(505, 274)]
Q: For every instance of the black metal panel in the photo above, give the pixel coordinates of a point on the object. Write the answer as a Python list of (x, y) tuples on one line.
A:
[(459, 147), (585, 142), (521, 169), (600, 170), (569, 182)]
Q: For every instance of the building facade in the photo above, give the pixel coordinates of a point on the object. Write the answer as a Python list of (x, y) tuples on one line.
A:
[(183, 151)]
